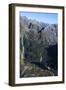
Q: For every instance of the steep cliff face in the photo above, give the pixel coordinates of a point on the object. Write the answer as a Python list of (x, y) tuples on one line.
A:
[(37, 41), (47, 31)]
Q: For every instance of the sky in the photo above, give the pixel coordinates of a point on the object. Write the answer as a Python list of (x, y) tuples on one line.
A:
[(50, 18)]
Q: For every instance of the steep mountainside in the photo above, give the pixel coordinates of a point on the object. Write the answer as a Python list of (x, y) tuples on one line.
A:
[(47, 31), (38, 48)]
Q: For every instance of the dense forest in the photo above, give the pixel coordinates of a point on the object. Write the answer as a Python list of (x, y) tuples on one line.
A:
[(38, 48)]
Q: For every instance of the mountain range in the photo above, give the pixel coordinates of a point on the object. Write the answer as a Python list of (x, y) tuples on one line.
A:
[(38, 47), (48, 31)]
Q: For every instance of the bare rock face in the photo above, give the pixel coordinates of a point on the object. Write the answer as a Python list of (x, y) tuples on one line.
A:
[(48, 32), (38, 45)]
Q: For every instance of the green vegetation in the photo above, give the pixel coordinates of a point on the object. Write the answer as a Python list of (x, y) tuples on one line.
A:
[(35, 39)]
